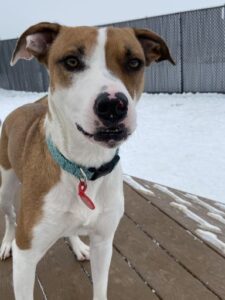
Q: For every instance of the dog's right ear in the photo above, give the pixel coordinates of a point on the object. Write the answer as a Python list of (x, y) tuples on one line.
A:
[(35, 42)]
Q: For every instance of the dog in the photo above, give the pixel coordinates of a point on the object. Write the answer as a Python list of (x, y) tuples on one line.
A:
[(62, 151)]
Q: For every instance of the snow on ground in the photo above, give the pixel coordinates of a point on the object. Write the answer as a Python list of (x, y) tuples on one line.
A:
[(9, 100), (179, 141)]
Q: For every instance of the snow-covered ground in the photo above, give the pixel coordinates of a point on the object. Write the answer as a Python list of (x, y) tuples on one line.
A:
[(179, 141)]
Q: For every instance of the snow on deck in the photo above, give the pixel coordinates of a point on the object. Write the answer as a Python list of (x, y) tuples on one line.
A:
[(211, 238), (202, 223), (201, 219), (129, 180), (171, 194)]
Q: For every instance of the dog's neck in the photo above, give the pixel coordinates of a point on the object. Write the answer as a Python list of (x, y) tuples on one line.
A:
[(72, 144)]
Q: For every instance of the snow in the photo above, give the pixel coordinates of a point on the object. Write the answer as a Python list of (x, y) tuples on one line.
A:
[(129, 180), (220, 205), (179, 141), (216, 217), (9, 100), (202, 223), (171, 194), (211, 238), (210, 208)]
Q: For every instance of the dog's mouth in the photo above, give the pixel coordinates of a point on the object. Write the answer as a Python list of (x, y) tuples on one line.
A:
[(84, 132), (109, 136)]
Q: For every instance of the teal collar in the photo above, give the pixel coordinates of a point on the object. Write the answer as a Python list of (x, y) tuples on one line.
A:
[(81, 172)]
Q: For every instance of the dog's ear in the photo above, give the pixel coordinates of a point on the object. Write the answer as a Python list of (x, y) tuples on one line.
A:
[(35, 42), (155, 48)]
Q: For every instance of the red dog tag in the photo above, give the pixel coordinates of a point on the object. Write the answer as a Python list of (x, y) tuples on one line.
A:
[(81, 192)]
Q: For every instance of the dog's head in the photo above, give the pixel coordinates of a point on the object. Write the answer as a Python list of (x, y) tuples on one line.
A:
[(96, 75)]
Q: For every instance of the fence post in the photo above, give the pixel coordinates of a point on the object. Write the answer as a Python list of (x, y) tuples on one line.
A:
[(181, 55)]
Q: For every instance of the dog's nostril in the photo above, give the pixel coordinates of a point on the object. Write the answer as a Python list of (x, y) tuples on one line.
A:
[(111, 110), (121, 107), (103, 107)]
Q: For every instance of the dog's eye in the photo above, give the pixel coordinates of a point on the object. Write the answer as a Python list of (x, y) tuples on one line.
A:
[(134, 64), (72, 63)]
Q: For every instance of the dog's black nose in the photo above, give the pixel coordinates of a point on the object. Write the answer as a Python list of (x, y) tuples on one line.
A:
[(111, 110)]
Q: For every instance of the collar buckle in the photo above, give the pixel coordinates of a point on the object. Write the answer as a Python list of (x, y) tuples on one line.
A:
[(83, 177)]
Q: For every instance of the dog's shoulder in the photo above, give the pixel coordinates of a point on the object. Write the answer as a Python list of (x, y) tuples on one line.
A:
[(24, 131), (25, 115)]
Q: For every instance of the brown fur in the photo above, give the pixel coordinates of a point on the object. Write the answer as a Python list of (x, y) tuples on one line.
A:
[(4, 161), (67, 43), (118, 43), (25, 151), (50, 31), (154, 46)]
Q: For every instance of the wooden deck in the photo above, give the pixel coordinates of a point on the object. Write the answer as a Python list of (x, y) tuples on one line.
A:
[(158, 252)]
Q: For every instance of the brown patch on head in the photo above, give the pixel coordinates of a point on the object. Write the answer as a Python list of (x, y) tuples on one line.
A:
[(125, 44), (78, 42), (121, 46), (52, 44), (24, 148)]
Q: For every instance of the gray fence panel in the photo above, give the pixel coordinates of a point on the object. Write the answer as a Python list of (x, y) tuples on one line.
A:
[(25, 75), (203, 47), (162, 77), (196, 40)]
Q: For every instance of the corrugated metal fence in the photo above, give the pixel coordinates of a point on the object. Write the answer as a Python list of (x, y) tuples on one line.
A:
[(196, 40)]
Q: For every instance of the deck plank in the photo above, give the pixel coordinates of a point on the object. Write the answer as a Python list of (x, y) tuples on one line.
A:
[(125, 283), (6, 290), (61, 275), (195, 256), (162, 272), (162, 201)]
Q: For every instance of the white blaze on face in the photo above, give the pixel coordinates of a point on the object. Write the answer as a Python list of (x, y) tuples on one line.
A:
[(76, 103)]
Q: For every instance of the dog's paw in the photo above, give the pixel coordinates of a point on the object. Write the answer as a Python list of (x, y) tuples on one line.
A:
[(80, 249), (6, 250)]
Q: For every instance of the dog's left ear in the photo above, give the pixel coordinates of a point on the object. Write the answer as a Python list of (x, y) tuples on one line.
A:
[(35, 42), (155, 48)]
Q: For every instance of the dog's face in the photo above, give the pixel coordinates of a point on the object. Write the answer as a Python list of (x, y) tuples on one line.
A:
[(96, 75)]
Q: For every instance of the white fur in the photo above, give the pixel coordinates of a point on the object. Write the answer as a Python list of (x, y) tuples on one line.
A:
[(81, 250), (64, 213), (75, 104), (8, 192), (24, 266)]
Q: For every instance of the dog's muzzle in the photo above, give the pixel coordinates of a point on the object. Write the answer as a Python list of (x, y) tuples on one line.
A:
[(111, 110)]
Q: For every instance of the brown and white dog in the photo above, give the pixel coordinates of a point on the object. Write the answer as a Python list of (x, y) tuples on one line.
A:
[(96, 78)]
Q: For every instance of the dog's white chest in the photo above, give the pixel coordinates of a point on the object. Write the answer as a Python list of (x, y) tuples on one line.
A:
[(64, 207)]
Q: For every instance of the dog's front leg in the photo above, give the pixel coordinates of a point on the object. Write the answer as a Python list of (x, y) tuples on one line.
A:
[(24, 266), (25, 260), (101, 252)]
